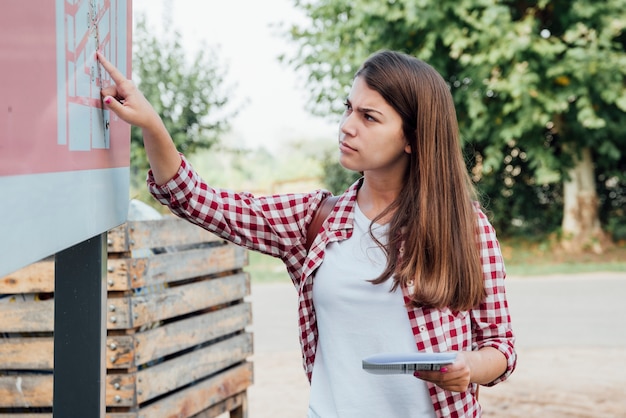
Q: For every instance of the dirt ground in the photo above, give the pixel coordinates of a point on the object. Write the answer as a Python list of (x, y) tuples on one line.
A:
[(544, 385), (561, 384), (571, 351)]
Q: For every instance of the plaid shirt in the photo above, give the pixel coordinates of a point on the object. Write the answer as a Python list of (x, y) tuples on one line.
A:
[(277, 226)]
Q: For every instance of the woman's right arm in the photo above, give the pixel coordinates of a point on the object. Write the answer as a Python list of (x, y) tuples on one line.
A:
[(126, 101)]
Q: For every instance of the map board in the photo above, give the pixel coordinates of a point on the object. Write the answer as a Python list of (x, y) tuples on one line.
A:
[(64, 159)]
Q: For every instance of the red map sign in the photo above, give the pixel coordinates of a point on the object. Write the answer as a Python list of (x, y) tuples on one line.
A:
[(51, 117), (64, 159)]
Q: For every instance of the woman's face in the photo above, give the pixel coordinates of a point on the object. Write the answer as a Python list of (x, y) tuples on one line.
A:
[(370, 134)]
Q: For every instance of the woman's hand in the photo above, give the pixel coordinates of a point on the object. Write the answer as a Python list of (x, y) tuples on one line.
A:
[(482, 366), (454, 377), (126, 101)]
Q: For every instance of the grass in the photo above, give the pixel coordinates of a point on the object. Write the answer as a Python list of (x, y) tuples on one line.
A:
[(266, 269), (522, 258)]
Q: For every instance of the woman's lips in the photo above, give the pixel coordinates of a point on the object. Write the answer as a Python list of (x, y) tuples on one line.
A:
[(343, 146)]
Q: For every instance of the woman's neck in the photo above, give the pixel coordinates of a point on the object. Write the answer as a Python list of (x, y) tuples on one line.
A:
[(375, 196)]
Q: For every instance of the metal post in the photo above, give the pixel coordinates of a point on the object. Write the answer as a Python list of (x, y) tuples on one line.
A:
[(80, 330)]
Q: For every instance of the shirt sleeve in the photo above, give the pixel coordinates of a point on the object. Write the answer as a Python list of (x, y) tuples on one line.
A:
[(273, 225), (491, 320)]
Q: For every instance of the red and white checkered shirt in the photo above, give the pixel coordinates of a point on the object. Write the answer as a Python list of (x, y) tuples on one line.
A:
[(277, 226)]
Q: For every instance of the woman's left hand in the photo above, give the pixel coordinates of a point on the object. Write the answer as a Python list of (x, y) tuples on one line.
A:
[(454, 377)]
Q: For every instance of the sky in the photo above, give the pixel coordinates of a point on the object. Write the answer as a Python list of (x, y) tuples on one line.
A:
[(272, 95)]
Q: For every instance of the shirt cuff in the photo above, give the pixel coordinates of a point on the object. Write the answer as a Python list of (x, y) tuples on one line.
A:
[(507, 349), (177, 190)]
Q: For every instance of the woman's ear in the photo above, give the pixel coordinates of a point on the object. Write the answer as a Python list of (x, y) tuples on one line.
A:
[(407, 147)]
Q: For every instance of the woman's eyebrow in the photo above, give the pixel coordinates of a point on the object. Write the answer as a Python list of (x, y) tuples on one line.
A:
[(364, 109), (368, 110)]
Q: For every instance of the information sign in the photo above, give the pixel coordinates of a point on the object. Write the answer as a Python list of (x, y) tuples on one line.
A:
[(64, 159)]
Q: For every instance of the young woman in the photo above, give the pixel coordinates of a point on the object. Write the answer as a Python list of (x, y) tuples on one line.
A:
[(406, 260)]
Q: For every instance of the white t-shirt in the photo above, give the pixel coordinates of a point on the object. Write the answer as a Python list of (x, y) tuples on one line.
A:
[(356, 319)]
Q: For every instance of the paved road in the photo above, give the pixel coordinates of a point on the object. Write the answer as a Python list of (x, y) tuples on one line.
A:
[(559, 322), (584, 310)]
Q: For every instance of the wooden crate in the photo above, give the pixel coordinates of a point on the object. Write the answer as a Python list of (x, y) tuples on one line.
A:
[(177, 344)]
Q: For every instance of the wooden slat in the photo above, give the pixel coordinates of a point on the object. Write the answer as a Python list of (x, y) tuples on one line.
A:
[(233, 404), (169, 231), (27, 316), (38, 277), (165, 377), (26, 390), (129, 312), (121, 390), (132, 273), (35, 390), (136, 312), (196, 365), (175, 266), (35, 278), (117, 239), (156, 343), (120, 351), (126, 273), (201, 396), (26, 353), (128, 351)]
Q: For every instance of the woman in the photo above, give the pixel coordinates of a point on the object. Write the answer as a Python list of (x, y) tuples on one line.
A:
[(406, 260)]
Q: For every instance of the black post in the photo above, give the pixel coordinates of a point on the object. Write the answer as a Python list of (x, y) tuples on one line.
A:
[(80, 330)]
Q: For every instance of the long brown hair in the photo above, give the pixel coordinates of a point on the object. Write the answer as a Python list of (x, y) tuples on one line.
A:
[(432, 245)]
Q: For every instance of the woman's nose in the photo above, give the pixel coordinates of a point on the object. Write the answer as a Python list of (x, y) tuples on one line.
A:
[(347, 126)]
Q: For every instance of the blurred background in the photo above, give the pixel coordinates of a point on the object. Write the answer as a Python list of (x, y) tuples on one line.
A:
[(252, 93)]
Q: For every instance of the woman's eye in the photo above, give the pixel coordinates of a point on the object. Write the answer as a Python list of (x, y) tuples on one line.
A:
[(347, 105)]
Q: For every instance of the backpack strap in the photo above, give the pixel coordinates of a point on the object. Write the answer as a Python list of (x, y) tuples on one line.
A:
[(320, 216)]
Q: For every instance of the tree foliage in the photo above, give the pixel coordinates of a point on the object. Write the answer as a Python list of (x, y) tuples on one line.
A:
[(336, 178), (534, 83), (187, 94)]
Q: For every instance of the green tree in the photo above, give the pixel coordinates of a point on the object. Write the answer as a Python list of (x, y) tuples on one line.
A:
[(188, 94), (540, 90), (336, 178)]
